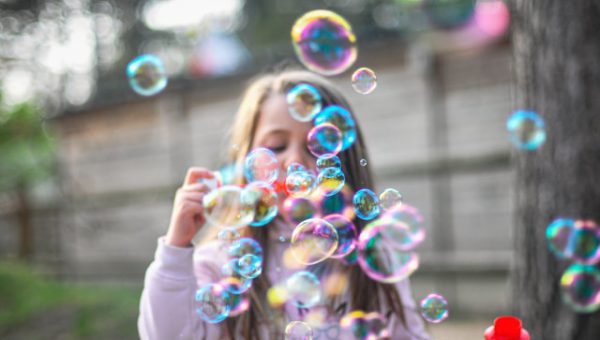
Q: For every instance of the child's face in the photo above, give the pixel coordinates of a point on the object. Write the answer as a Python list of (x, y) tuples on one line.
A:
[(286, 137)]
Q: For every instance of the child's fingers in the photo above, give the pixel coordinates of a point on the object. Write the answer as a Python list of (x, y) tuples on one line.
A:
[(196, 187), (192, 196), (195, 173)]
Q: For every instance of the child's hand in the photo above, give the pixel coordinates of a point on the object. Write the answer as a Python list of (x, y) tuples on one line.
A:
[(188, 212)]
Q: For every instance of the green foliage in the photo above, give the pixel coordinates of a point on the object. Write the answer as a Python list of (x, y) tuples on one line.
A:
[(26, 147), (103, 312)]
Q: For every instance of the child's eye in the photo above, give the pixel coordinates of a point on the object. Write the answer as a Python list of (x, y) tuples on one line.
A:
[(277, 148)]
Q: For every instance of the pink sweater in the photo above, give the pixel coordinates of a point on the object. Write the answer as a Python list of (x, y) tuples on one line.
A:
[(167, 305)]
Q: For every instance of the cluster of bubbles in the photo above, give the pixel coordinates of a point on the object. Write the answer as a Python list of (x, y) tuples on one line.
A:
[(434, 308), (578, 241), (365, 325)]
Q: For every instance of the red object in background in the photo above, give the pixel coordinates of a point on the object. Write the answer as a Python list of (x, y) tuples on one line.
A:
[(506, 328)]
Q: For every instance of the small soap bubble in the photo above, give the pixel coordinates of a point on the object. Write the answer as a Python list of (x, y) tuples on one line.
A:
[(324, 42), (323, 139), (330, 181), (213, 303), (300, 183), (295, 167), (233, 281), (147, 75), (227, 206), (340, 118), (328, 161), (366, 204), (304, 289), (580, 287), (266, 206), (405, 226), (434, 308), (389, 198), (298, 330), (228, 234), (304, 102), (526, 129), (364, 80), (281, 239), (363, 162), (261, 165), (250, 266), (245, 246), (313, 241)]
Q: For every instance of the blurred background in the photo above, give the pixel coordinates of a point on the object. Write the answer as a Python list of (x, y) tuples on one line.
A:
[(88, 168)]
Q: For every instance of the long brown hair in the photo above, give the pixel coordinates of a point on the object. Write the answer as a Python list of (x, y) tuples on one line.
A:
[(362, 288)]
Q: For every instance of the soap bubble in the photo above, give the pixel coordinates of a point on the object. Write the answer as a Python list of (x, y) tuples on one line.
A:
[(324, 139), (328, 161), (366, 204), (389, 198), (147, 75), (213, 303), (434, 308), (379, 255), (407, 231), (261, 165), (313, 241), (580, 286), (342, 119), (245, 246), (298, 330), (295, 167), (526, 129), (304, 289), (574, 239), (339, 203), (250, 266), (347, 234), (300, 183), (298, 209), (228, 234), (324, 42), (304, 102), (363, 162), (364, 80), (228, 206), (266, 205), (331, 181), (233, 281), (365, 326), (239, 304)]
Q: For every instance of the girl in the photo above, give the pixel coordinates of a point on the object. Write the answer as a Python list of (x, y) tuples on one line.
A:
[(167, 308)]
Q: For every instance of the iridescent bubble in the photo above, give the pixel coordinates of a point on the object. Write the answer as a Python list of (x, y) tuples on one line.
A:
[(245, 246), (261, 165), (434, 308), (389, 198), (331, 181), (342, 119), (580, 286), (559, 235), (239, 304), (250, 266), (228, 234), (324, 42), (526, 130), (574, 239), (236, 284), (405, 226), (324, 139), (300, 183), (298, 330), (304, 102), (363, 162), (364, 80), (295, 167), (227, 206), (304, 289), (147, 75), (213, 303), (347, 234), (366, 204), (298, 209), (350, 259), (379, 255), (365, 326), (340, 203), (313, 241), (328, 161), (266, 206)]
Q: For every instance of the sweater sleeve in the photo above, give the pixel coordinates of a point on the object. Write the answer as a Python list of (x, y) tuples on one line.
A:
[(167, 302), (414, 329)]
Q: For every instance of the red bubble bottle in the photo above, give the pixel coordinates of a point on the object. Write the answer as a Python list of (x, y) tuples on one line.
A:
[(506, 328)]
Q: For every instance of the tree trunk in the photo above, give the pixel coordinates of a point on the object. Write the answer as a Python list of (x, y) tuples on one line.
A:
[(557, 66), (24, 222)]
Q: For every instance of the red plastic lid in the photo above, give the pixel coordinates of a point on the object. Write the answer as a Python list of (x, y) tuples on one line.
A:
[(506, 328)]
